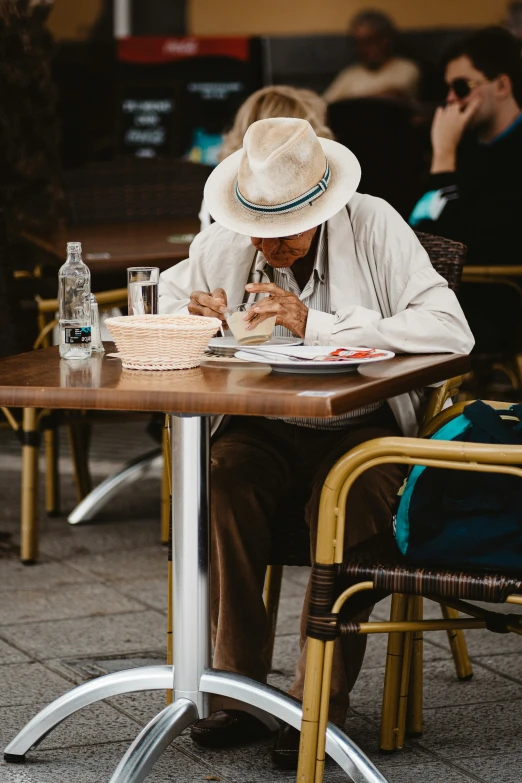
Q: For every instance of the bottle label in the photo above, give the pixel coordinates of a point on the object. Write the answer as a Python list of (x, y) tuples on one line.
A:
[(78, 335)]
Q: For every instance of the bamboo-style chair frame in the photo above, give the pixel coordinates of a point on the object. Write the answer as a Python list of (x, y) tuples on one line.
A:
[(37, 422), (452, 588)]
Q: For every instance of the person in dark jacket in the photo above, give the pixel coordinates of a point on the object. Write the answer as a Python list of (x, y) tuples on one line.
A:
[(474, 194)]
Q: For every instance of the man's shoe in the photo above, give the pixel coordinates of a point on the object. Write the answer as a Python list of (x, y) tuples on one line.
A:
[(286, 748), (227, 728)]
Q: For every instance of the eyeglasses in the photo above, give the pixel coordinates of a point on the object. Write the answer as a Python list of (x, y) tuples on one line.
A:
[(462, 87)]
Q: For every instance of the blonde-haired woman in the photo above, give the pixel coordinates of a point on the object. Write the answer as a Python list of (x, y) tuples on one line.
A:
[(277, 101)]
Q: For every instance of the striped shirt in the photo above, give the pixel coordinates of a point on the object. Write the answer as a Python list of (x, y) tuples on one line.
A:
[(316, 296)]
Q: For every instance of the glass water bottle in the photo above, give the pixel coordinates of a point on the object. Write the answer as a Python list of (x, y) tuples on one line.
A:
[(74, 302)]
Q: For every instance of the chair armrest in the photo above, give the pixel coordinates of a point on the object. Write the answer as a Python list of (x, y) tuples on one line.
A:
[(457, 455)]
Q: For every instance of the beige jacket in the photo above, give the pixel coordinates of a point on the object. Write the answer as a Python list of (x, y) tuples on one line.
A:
[(384, 292)]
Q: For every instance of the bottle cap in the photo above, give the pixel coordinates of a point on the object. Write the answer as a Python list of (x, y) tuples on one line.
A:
[(74, 247)]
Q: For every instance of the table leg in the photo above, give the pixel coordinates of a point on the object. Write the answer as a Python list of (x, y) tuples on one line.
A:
[(29, 509), (146, 678), (190, 444), (154, 739), (99, 497), (192, 679)]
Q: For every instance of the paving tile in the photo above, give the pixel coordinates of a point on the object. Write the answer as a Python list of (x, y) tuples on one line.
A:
[(429, 772), (508, 664), (26, 683), (465, 731), (44, 575), (299, 575), (59, 603), (506, 769), (252, 763), (471, 732), (152, 592), (289, 614), (286, 653), (97, 723), (9, 654), (143, 562), (244, 764), (441, 687), (94, 764), (483, 642), (134, 529), (293, 584), (80, 669), (119, 633), (366, 734), (141, 707)]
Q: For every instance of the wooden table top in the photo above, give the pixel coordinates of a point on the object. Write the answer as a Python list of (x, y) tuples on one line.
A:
[(40, 379), (115, 246)]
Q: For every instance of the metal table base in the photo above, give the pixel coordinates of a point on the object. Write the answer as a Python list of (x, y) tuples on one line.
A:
[(192, 679), (132, 471)]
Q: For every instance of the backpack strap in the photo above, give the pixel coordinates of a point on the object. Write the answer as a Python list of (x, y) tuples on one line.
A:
[(489, 420)]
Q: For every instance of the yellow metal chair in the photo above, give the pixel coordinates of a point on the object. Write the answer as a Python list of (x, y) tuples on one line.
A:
[(410, 583), (293, 537), (35, 422)]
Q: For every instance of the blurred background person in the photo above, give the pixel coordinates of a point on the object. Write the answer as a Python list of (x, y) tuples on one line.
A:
[(474, 193), (267, 103), (514, 19), (377, 72)]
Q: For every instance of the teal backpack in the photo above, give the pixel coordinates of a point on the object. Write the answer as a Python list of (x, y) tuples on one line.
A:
[(465, 519)]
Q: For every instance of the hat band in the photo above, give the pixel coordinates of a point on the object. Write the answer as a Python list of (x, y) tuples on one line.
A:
[(289, 206)]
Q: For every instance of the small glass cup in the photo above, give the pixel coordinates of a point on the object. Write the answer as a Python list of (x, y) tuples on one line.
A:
[(237, 325), (142, 290)]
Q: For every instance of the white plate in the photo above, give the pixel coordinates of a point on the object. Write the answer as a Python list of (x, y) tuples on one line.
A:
[(320, 368), (228, 346)]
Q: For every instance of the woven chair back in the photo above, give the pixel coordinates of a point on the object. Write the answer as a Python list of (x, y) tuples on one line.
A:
[(134, 189), (447, 256)]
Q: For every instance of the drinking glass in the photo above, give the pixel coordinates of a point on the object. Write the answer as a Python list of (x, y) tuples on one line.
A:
[(237, 325), (142, 290)]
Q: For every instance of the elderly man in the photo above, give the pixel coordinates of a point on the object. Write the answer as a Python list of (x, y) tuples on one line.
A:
[(335, 268)]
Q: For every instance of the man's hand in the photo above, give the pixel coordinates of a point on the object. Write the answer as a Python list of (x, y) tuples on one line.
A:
[(210, 305), (449, 124), (288, 309)]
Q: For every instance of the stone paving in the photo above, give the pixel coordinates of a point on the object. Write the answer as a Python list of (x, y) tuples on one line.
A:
[(96, 602)]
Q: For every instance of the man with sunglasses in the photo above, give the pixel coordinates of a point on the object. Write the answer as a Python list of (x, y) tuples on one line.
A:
[(475, 189), (474, 193)]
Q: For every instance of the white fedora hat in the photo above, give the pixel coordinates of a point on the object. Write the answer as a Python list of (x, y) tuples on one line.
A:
[(284, 181)]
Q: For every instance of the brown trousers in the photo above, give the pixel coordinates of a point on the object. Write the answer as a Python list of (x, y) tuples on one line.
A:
[(255, 463)]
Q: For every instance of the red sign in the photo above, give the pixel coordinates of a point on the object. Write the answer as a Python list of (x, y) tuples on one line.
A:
[(156, 49)]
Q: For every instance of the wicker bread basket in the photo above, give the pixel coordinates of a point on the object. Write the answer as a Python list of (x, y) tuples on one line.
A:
[(161, 342)]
